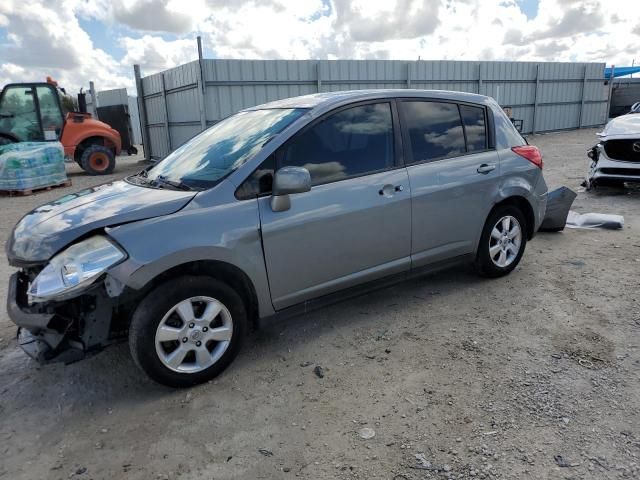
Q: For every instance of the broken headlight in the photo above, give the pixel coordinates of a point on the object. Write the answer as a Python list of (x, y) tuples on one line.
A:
[(74, 269)]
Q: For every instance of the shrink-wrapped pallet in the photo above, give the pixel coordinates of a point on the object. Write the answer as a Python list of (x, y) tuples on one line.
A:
[(31, 165)]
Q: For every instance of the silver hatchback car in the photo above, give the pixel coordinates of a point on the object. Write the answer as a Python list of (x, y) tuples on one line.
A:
[(272, 211)]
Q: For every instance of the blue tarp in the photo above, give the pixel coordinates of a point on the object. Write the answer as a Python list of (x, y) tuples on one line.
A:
[(620, 71)]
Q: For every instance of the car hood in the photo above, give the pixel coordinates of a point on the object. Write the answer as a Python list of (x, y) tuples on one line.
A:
[(623, 127), (49, 228)]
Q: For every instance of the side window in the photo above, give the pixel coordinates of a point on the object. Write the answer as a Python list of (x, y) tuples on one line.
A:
[(435, 129), (259, 182), (355, 141), (49, 112), (18, 114), (475, 127)]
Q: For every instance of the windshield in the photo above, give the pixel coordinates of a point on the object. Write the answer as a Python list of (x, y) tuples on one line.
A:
[(207, 158)]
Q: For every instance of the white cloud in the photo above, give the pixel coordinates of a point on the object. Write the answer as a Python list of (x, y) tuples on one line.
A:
[(46, 38), (154, 15), (153, 53)]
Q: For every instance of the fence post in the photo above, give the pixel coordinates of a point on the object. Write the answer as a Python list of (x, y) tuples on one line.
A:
[(408, 74), (535, 100), (201, 86), (94, 100), (611, 76), (166, 114), (318, 77), (142, 114), (480, 79), (582, 100)]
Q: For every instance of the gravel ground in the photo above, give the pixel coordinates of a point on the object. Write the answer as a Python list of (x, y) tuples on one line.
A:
[(530, 376)]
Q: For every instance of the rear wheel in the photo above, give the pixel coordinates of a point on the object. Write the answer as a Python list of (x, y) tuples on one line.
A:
[(98, 160), (502, 242), (187, 331)]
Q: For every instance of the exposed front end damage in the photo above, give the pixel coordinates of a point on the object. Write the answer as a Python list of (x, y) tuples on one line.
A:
[(69, 330), (64, 299), (616, 158)]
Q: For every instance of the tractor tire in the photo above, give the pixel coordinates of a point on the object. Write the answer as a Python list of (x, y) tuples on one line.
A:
[(98, 160)]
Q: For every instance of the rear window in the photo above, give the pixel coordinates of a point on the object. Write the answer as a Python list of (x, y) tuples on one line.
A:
[(506, 134), (435, 129)]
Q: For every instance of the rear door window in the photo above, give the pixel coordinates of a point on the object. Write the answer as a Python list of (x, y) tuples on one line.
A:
[(352, 142), (475, 127), (434, 129)]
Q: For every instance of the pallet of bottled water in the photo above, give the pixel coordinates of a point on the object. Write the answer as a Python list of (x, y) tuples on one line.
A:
[(29, 166)]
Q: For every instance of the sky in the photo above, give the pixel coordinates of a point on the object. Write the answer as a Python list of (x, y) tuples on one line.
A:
[(76, 41)]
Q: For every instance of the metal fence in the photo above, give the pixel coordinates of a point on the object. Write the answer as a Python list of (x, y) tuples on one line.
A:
[(178, 103)]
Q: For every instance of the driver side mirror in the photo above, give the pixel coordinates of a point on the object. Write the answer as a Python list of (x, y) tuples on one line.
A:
[(286, 181)]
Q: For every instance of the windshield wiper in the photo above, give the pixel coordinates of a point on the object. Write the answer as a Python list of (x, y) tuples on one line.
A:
[(160, 181), (139, 179)]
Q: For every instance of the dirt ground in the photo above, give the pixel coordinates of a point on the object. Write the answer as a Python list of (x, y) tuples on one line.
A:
[(531, 376)]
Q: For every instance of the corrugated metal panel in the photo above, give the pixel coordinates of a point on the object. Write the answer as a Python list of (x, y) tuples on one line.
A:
[(593, 114), (134, 117), (159, 141), (173, 98), (182, 133), (181, 76), (183, 106), (155, 110)]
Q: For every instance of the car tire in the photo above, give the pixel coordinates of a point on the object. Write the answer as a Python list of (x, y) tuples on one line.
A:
[(178, 349), (499, 253), (98, 160)]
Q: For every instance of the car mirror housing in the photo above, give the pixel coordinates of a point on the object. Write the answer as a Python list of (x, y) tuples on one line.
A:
[(288, 180)]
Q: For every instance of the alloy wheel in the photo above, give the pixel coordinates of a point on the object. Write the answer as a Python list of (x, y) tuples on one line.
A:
[(194, 334), (505, 241)]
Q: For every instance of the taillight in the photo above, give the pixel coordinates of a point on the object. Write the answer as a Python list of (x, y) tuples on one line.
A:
[(531, 153)]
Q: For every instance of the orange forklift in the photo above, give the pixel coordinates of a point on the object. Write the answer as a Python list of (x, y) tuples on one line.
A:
[(41, 112)]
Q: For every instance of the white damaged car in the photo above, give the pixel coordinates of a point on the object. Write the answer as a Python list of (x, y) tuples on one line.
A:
[(616, 158)]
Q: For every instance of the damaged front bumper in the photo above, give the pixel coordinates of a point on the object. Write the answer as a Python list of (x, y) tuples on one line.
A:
[(60, 332), (614, 162)]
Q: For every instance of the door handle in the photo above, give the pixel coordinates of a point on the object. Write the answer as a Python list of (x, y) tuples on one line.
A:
[(486, 168), (388, 190)]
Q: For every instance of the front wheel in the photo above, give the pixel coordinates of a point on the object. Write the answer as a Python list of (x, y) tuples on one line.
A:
[(187, 331), (98, 160), (502, 242)]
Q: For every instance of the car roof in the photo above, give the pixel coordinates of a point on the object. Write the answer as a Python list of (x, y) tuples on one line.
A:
[(329, 99)]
